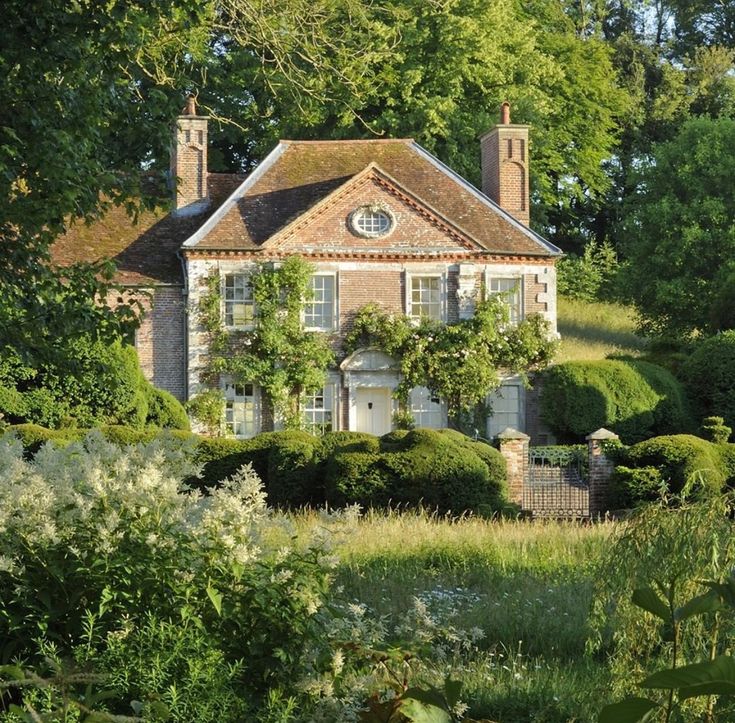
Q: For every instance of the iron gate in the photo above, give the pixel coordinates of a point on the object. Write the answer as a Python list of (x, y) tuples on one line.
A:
[(557, 483)]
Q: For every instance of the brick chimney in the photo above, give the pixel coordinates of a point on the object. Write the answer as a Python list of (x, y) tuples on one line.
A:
[(504, 155), (189, 161)]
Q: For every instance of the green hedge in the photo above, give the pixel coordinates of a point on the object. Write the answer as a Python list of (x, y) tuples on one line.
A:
[(670, 463), (634, 398), (439, 469)]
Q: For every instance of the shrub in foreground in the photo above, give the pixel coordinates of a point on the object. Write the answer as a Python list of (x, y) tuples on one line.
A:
[(94, 536), (636, 399)]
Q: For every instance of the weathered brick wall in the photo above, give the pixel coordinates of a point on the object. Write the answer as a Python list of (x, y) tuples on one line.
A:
[(384, 286), (168, 329), (601, 469), (514, 448), (160, 340), (504, 159)]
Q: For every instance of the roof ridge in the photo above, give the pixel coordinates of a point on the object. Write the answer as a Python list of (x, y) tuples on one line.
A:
[(345, 141)]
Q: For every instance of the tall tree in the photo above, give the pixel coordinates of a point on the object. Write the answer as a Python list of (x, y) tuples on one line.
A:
[(681, 231), (88, 97), (437, 71)]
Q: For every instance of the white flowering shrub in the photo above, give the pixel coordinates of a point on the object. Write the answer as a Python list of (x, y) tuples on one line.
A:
[(95, 538)]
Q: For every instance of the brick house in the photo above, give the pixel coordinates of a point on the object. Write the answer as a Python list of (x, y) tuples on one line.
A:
[(380, 220)]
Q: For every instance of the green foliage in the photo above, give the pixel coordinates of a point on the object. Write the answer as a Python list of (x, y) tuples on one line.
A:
[(681, 246), (460, 362), (636, 399), (345, 441), (290, 477), (175, 669), (682, 460), (164, 410), (116, 74), (12, 405), (709, 374), (693, 620), (667, 548), (208, 407), (33, 436), (632, 486), (102, 383), (285, 360), (102, 535), (443, 470), (589, 277), (715, 430)]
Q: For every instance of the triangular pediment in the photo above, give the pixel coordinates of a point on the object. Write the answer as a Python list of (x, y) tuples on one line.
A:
[(415, 228)]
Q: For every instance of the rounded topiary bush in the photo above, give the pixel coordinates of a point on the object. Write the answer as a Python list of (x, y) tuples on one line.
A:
[(165, 411), (634, 398), (681, 459), (709, 375), (33, 436), (441, 470), (125, 436), (346, 442), (436, 471)]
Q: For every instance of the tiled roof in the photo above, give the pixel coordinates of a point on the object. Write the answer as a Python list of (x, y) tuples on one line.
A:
[(294, 177), (143, 250), (302, 173)]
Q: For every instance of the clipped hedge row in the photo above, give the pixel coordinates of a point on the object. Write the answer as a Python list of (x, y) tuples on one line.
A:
[(669, 464), (634, 398), (439, 469)]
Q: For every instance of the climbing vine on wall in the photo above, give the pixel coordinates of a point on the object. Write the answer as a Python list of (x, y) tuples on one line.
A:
[(277, 353), (460, 363)]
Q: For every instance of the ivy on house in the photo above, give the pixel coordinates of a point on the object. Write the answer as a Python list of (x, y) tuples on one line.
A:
[(277, 354), (460, 363)]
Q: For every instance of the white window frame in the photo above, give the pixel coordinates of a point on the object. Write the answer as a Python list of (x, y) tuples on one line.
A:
[(333, 324), (516, 319), (442, 277), (495, 429), (248, 405), (425, 406), (311, 411), (245, 276), (358, 216)]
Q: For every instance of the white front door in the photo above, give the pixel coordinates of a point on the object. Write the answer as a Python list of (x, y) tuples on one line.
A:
[(373, 410)]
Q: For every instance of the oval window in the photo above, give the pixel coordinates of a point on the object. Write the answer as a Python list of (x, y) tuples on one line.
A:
[(371, 222)]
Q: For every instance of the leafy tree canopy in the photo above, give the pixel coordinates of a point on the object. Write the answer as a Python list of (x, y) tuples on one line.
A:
[(681, 231), (83, 85)]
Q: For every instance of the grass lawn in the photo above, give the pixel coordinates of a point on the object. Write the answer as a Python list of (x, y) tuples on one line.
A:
[(596, 330), (526, 586)]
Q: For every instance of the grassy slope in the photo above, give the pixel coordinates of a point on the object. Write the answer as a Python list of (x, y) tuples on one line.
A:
[(596, 330)]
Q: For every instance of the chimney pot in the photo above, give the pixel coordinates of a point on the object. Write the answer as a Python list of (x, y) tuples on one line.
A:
[(505, 113), (191, 106)]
